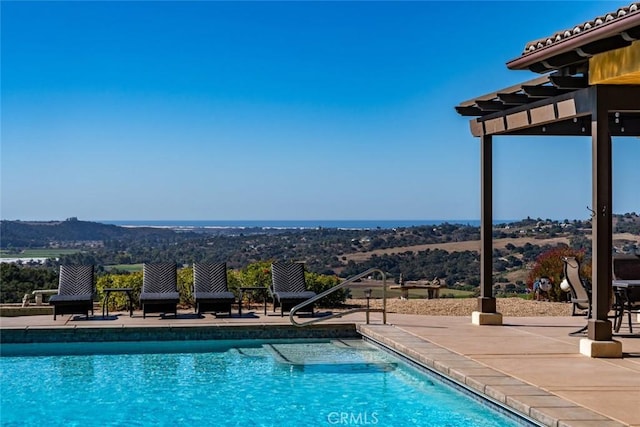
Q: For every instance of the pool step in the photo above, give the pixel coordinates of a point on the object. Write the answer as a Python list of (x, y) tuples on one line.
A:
[(327, 358), (353, 343), (257, 352)]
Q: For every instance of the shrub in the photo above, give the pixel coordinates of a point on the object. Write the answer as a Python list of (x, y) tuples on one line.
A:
[(319, 283), (118, 300), (549, 264)]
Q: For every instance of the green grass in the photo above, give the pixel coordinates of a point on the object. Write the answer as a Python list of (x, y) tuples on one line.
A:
[(38, 253), (131, 268)]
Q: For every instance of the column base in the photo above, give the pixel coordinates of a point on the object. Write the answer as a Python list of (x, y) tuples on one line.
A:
[(603, 349), (479, 318)]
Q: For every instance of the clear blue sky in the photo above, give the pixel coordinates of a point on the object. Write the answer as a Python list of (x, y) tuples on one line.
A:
[(267, 110)]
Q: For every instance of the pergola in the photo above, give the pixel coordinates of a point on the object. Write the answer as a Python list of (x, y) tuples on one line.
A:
[(590, 86)]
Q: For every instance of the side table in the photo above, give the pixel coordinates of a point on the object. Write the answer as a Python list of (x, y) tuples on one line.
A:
[(253, 288), (107, 294)]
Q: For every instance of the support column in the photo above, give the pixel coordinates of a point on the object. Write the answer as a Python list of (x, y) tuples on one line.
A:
[(599, 341), (486, 314)]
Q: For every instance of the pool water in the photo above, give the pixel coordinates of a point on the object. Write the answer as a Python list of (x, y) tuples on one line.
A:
[(231, 383)]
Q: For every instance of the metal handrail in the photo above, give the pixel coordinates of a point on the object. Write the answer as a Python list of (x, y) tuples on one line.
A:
[(344, 313)]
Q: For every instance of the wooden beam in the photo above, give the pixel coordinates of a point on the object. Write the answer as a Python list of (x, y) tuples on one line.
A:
[(605, 45), (542, 91), (514, 98), (491, 105), (511, 89), (470, 111), (569, 82), (618, 66)]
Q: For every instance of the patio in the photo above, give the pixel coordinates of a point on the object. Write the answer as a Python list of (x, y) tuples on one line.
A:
[(528, 363)]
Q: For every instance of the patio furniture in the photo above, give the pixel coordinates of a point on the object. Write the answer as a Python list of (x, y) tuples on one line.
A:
[(626, 285), (159, 289), (580, 293), (75, 291), (107, 295), (38, 294), (432, 291), (210, 289), (288, 286), (251, 289), (628, 297)]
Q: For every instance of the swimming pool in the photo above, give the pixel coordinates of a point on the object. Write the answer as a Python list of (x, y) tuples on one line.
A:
[(229, 383)]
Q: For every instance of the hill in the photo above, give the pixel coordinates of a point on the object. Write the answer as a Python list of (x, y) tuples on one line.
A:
[(70, 233)]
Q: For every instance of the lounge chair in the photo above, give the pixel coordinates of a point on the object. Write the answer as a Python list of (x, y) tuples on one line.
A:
[(210, 290), (626, 267), (288, 286), (580, 293), (75, 291), (159, 289)]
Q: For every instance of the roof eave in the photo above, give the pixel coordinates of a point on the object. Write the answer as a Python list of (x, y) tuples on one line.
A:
[(603, 31)]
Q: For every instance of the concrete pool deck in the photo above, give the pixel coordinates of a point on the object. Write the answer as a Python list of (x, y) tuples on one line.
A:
[(530, 364)]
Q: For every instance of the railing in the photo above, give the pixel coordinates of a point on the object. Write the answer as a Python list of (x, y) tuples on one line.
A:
[(345, 284)]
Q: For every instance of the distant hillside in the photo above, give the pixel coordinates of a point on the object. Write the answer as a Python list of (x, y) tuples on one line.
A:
[(71, 232)]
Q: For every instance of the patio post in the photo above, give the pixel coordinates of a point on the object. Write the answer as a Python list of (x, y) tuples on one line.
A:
[(486, 314), (599, 341)]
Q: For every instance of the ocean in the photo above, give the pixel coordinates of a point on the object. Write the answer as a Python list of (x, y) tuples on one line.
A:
[(368, 224)]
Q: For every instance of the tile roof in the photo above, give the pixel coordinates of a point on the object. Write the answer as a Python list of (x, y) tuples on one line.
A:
[(577, 30)]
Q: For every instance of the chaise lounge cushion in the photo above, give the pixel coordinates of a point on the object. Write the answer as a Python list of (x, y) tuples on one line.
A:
[(302, 296), (170, 297), (62, 299), (215, 296)]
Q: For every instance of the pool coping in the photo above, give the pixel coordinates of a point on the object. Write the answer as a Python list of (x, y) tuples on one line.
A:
[(529, 401)]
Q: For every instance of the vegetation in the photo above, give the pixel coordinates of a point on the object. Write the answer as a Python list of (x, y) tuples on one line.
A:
[(17, 280), (327, 253), (37, 253), (549, 264)]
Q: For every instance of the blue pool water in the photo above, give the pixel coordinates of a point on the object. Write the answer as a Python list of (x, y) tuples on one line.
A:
[(231, 383)]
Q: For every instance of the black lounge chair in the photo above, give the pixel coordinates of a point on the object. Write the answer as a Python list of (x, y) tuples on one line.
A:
[(75, 291), (580, 293), (159, 289), (288, 286), (210, 290)]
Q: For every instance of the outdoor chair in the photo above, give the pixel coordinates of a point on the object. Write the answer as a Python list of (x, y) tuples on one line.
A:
[(580, 293), (210, 290), (75, 291), (159, 289), (288, 286), (626, 267)]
